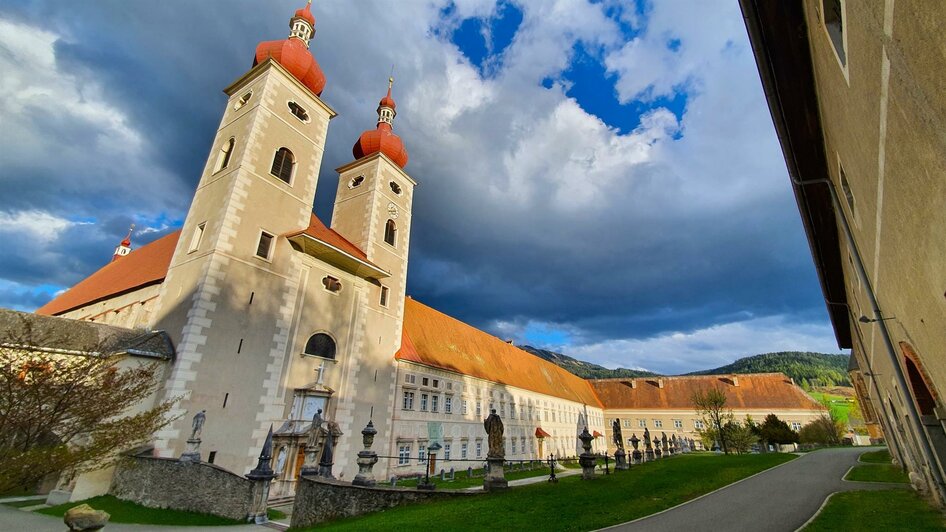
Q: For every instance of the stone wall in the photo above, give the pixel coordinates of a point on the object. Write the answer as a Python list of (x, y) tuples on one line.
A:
[(169, 483), (319, 500)]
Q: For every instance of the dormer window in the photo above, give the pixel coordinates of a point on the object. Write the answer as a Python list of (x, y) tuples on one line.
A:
[(298, 112), (356, 181), (395, 188)]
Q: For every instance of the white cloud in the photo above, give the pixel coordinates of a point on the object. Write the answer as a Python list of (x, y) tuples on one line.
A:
[(43, 227), (680, 352)]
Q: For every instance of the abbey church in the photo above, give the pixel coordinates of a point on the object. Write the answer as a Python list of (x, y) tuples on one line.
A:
[(274, 314)]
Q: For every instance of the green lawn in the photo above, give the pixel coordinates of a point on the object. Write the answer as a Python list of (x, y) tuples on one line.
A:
[(839, 403), (877, 473), (574, 504), (129, 512), (461, 480), (854, 511), (876, 457)]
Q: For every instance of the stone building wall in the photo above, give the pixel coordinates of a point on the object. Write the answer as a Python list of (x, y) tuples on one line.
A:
[(195, 487), (319, 500)]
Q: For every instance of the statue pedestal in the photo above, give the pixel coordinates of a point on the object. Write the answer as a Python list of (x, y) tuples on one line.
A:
[(587, 462), (636, 456), (192, 451), (649, 455), (620, 460), (495, 477), (366, 461)]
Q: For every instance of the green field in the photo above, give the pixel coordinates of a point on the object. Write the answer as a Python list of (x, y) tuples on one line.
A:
[(855, 511), (876, 457), (842, 405), (574, 504), (877, 473)]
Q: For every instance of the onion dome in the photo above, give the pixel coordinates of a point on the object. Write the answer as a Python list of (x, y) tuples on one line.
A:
[(382, 138), (293, 52)]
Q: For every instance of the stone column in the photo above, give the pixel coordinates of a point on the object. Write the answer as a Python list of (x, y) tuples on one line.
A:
[(261, 476), (586, 459), (367, 458)]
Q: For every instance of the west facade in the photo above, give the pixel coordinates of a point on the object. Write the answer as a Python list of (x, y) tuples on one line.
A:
[(856, 94)]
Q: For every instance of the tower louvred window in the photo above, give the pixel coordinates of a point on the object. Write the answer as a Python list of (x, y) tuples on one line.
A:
[(320, 345), (282, 164), (390, 232)]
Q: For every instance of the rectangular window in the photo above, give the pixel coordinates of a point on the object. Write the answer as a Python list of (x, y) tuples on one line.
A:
[(463, 449), (796, 426), (512, 410), (833, 14), (513, 442), (502, 409), (384, 296), (658, 424), (408, 401), (410, 379), (698, 424), (448, 405), (264, 248), (212, 457), (626, 423), (678, 423), (642, 423), (435, 403), (479, 408), (423, 402), (463, 406), (196, 238), (425, 381), (422, 452), (436, 383), (404, 454), (446, 451), (479, 448), (449, 385)]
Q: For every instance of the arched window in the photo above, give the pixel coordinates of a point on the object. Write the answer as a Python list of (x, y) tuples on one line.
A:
[(390, 232), (282, 164), (223, 159), (320, 345)]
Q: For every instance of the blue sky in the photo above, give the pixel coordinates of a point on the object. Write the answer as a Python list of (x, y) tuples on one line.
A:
[(600, 178)]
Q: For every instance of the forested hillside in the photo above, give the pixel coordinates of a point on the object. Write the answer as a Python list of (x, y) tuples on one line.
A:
[(585, 370), (808, 369)]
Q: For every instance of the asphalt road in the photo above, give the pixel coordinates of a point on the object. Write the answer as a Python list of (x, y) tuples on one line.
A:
[(778, 500)]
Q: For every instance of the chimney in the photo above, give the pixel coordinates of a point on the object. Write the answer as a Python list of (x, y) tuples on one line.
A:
[(660, 383), (633, 383), (735, 381)]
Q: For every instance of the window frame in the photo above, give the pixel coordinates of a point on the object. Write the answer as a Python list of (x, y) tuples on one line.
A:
[(292, 165), (197, 237), (270, 250), (305, 119), (333, 358), (390, 233)]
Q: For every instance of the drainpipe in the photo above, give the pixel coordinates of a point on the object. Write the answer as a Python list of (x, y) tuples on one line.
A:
[(925, 447)]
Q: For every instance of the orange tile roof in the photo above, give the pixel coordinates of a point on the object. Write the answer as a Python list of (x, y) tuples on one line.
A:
[(143, 266), (149, 264), (318, 230), (755, 391), (435, 339)]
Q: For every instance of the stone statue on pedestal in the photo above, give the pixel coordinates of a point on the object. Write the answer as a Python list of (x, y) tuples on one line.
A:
[(636, 455), (313, 445), (192, 450), (496, 455), (328, 453), (586, 459), (648, 446), (620, 457)]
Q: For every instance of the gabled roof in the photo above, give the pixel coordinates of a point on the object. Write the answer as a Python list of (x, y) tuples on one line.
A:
[(758, 391), (434, 339), (68, 336), (142, 267), (149, 265)]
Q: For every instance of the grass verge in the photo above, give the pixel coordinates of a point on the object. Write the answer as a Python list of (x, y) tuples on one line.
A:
[(574, 504), (877, 457), (877, 473), (900, 510), (129, 512)]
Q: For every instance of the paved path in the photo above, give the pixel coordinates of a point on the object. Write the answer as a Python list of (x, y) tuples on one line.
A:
[(777, 500)]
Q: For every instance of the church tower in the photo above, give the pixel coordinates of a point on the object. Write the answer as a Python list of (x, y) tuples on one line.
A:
[(373, 211), (233, 280), (125, 247)]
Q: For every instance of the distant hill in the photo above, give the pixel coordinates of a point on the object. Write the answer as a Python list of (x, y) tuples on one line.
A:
[(808, 369), (585, 370)]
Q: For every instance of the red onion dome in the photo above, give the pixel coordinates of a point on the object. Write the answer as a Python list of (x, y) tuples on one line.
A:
[(293, 52), (382, 138)]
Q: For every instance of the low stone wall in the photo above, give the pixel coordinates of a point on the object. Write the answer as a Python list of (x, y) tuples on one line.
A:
[(319, 500), (169, 483)]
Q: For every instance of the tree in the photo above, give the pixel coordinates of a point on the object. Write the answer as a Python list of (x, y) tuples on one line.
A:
[(711, 404), (69, 409), (822, 431), (741, 437), (775, 431)]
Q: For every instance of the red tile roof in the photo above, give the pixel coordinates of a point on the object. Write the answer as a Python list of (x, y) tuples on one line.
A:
[(142, 267), (755, 391), (318, 230), (435, 339)]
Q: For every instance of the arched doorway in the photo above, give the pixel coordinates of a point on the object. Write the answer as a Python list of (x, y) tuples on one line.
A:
[(926, 400)]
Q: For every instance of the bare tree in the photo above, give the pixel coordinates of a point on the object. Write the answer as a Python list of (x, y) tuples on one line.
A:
[(68, 408), (711, 405)]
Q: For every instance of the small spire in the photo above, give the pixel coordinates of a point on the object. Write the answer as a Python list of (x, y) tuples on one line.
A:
[(124, 247)]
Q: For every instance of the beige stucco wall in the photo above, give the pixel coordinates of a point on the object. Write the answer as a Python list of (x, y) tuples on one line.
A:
[(884, 115), (132, 309)]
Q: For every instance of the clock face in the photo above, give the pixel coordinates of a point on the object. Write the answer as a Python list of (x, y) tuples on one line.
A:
[(392, 210)]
